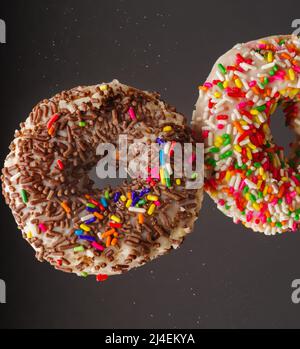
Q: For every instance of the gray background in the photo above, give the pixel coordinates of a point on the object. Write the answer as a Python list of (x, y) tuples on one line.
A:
[(224, 275)]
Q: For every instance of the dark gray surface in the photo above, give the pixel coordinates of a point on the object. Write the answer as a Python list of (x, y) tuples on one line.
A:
[(224, 275)]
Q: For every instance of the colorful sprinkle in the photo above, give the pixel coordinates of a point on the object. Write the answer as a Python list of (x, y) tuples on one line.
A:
[(152, 197), (137, 210), (43, 227), (87, 238), (115, 225), (24, 196), (167, 129), (99, 216), (103, 87), (151, 209), (79, 249), (132, 113), (222, 69), (141, 218), (98, 246), (104, 202), (52, 120), (115, 219), (117, 196), (60, 165), (65, 206), (101, 277), (85, 228)]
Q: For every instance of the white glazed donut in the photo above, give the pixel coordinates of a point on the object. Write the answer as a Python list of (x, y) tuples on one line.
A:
[(247, 174), (70, 223)]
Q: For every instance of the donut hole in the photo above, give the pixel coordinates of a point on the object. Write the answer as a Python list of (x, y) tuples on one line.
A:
[(282, 134), (117, 173), (102, 183)]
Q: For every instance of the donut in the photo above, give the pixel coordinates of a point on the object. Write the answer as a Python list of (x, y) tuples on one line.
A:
[(246, 174), (69, 221)]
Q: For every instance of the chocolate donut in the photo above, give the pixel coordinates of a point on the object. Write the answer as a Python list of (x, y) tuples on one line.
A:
[(72, 224)]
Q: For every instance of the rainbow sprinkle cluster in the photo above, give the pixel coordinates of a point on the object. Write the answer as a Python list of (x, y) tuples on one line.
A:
[(247, 174)]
